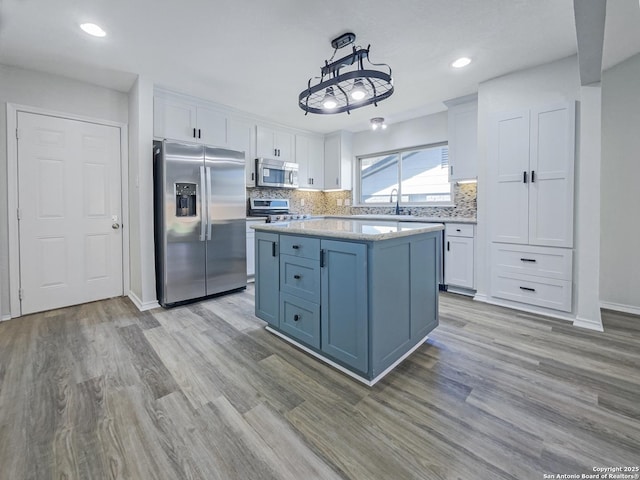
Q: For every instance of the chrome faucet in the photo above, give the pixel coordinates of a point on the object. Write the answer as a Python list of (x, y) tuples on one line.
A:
[(397, 200)]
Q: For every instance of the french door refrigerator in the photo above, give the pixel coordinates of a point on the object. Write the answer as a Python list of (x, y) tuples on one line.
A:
[(200, 215)]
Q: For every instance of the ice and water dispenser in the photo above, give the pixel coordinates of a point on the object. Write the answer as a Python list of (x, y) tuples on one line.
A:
[(185, 199)]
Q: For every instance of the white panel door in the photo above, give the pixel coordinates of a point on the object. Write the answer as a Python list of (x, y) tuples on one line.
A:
[(509, 150), (69, 190), (551, 185)]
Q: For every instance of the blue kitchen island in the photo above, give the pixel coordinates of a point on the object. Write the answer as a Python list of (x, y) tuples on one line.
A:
[(360, 295)]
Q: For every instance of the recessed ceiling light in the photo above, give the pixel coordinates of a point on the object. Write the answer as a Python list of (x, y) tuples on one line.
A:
[(461, 62), (93, 29)]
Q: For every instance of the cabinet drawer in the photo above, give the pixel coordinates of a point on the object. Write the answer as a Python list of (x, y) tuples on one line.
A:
[(543, 292), (300, 277), (458, 229), (300, 319), (304, 247), (547, 262)]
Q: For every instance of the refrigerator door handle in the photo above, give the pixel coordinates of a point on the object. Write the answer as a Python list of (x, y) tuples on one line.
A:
[(203, 205), (209, 192)]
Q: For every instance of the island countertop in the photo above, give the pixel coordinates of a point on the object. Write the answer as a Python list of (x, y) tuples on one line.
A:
[(350, 229)]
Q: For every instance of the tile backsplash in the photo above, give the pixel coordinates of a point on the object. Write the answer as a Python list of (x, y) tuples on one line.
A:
[(326, 203)]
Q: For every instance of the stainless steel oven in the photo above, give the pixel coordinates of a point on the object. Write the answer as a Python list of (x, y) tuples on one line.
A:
[(276, 173)]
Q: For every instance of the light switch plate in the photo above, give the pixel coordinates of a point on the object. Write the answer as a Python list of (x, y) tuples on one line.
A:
[(339, 201)]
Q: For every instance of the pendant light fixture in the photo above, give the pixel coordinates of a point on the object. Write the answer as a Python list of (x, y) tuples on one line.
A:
[(347, 83)]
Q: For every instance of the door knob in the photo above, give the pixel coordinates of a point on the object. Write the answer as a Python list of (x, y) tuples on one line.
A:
[(115, 226)]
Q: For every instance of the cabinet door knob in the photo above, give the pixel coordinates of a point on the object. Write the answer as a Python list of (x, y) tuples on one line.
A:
[(297, 277), (296, 317), (295, 247)]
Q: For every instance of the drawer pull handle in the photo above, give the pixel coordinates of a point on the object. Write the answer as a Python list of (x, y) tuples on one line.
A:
[(531, 260), (528, 289), (296, 317), (295, 247), (297, 277), (458, 230)]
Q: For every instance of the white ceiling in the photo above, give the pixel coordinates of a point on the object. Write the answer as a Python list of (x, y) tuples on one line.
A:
[(257, 56)]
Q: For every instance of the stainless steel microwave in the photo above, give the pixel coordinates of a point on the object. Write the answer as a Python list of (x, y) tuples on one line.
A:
[(276, 173)]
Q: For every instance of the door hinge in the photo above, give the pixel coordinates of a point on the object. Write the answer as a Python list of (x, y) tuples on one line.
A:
[(18, 214), (17, 133), (20, 293)]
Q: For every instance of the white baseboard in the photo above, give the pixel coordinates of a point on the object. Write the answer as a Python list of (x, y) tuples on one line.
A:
[(143, 306), (618, 307), (588, 323), (4, 318), (480, 297)]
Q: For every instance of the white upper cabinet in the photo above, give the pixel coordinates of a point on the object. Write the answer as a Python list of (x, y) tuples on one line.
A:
[(310, 160), (531, 174), (240, 135), (552, 174), (212, 127), (338, 161), (274, 143), (181, 119), (174, 119), (463, 138)]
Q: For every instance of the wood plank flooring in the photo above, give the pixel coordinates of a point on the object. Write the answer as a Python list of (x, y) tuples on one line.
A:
[(204, 392)]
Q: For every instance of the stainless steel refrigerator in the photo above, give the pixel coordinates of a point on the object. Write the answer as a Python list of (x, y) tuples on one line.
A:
[(200, 214)]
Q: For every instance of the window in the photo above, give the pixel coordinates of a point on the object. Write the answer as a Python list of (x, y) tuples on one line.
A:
[(419, 176)]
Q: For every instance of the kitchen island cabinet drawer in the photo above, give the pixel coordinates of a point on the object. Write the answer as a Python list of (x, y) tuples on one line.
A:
[(300, 277), (543, 292), (547, 262), (300, 319), (304, 247)]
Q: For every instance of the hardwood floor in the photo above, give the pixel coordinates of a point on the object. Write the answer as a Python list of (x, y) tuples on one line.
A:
[(204, 392)]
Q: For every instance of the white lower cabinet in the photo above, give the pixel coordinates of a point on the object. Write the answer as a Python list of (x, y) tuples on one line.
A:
[(459, 255), (538, 276)]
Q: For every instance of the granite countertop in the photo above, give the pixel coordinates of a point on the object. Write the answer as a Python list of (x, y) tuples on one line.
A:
[(407, 218), (350, 228)]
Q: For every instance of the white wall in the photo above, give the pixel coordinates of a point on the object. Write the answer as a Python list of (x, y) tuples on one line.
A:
[(142, 269), (546, 84), (620, 175), (51, 92), (411, 133)]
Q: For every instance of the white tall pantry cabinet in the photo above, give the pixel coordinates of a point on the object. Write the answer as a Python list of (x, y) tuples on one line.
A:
[(531, 177)]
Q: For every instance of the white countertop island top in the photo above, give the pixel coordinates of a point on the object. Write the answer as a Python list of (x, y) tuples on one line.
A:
[(350, 229)]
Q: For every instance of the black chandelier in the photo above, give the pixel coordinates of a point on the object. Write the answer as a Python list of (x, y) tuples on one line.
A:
[(337, 91)]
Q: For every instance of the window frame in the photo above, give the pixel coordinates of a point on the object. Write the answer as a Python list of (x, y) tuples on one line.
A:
[(399, 151)]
